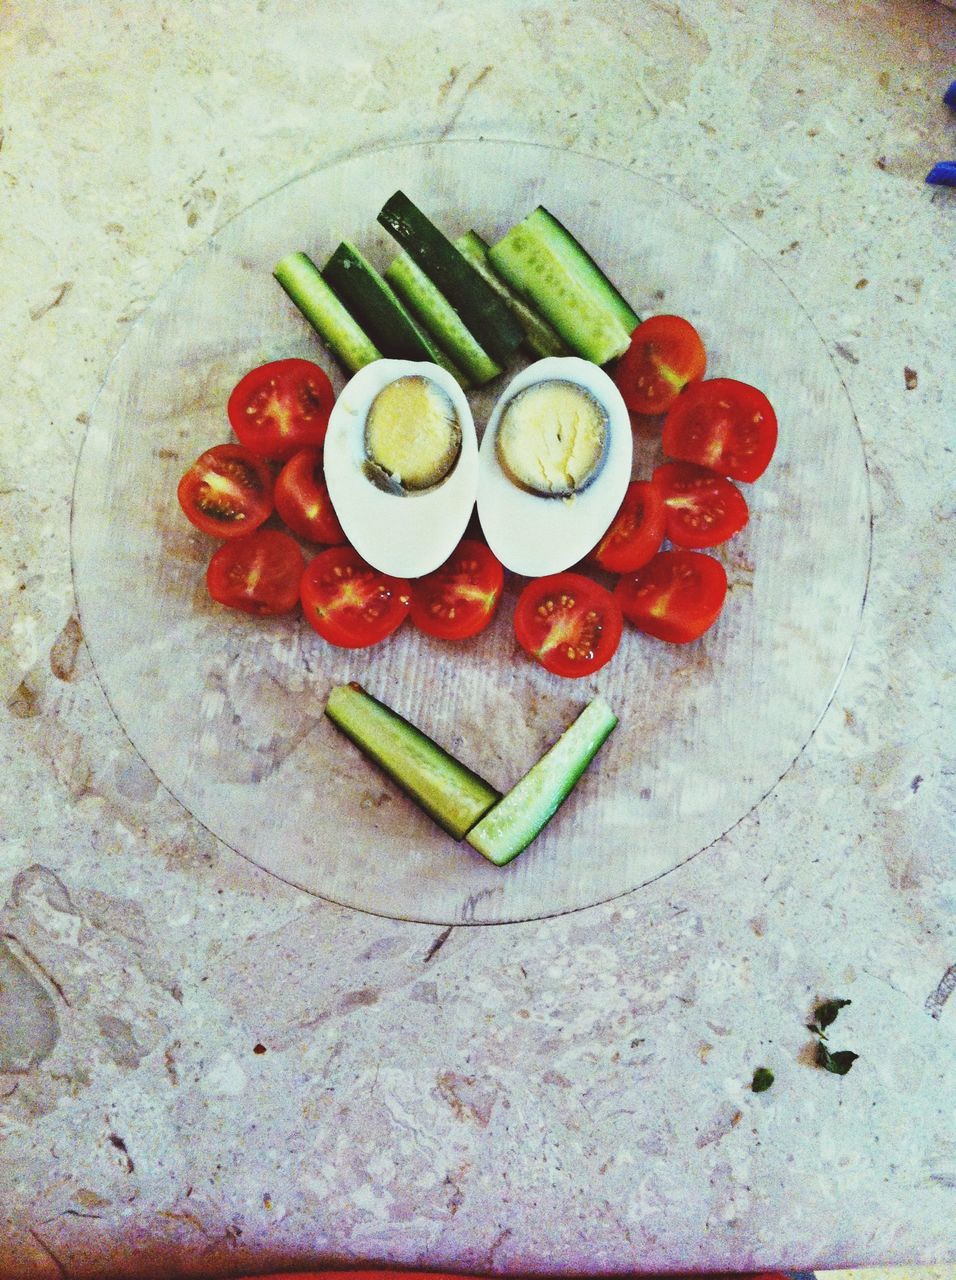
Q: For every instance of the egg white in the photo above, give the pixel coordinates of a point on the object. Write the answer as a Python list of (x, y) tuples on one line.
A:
[(532, 534), (405, 535)]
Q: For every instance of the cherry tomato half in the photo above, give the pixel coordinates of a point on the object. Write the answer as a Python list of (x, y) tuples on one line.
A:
[(636, 532), (227, 492), (303, 502), (727, 426), (349, 603), (570, 624), (281, 407), (675, 597), (459, 598), (259, 573), (703, 509), (666, 353)]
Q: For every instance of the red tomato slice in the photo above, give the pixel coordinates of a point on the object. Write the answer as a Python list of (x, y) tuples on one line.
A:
[(227, 492), (703, 509), (302, 499), (569, 623), (259, 573), (460, 597), (636, 532), (281, 407), (724, 425), (675, 597), (665, 354), (349, 603)]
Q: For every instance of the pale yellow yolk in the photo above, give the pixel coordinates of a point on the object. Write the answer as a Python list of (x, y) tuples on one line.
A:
[(412, 433), (552, 438)]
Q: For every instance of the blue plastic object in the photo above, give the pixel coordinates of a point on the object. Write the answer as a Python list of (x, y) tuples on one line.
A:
[(943, 174)]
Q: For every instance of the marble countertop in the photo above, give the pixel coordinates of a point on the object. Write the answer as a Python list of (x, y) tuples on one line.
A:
[(204, 1070)]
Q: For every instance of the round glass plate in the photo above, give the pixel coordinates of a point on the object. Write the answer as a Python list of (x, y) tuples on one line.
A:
[(228, 710)]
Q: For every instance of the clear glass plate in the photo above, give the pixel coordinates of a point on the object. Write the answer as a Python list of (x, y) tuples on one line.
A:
[(228, 710)]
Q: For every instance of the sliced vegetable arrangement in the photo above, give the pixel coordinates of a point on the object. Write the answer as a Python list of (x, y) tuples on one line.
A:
[(461, 802), (382, 481), (474, 303)]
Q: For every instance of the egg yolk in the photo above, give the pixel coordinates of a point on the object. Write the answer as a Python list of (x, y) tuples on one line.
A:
[(552, 438), (412, 435)]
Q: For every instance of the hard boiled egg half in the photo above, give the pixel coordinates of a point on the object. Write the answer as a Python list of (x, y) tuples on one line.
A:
[(554, 465), (401, 463)]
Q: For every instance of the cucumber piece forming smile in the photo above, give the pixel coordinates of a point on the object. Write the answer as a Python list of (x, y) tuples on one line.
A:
[(447, 790), (511, 825), (462, 803)]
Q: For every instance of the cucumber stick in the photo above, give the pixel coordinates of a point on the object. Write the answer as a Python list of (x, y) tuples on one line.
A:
[(447, 790), (369, 297), (515, 820), (583, 265), (323, 309), (545, 264), (484, 313), (539, 336), (436, 314)]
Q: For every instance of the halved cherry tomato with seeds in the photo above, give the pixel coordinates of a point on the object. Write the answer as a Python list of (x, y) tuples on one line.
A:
[(569, 623), (459, 599), (675, 597), (726, 426), (259, 573), (703, 509), (666, 353), (281, 407), (303, 502), (636, 532), (349, 603), (227, 492)]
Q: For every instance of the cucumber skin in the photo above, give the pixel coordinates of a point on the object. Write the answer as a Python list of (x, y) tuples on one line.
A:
[(302, 281), (433, 311), (513, 823), (543, 276), (381, 313), (484, 313), (581, 262), (471, 797), (539, 336)]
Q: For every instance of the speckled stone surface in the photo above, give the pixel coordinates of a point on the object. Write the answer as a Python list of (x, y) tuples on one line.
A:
[(204, 1070)]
